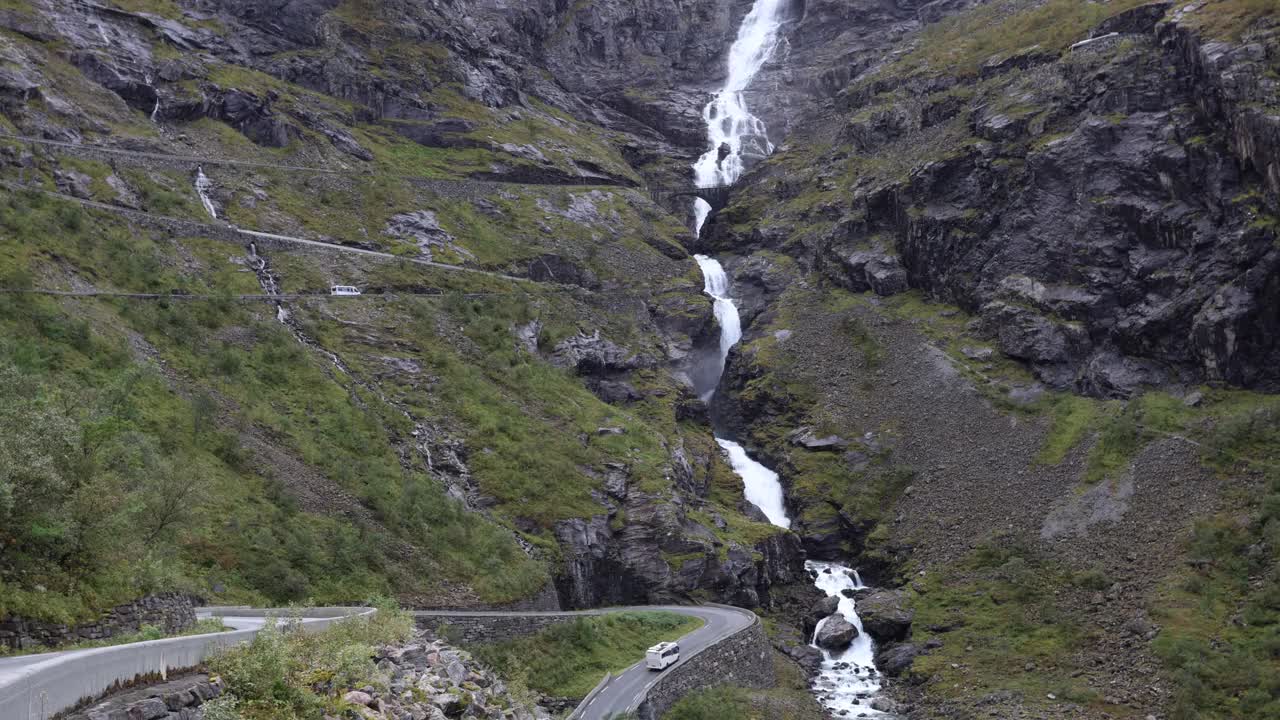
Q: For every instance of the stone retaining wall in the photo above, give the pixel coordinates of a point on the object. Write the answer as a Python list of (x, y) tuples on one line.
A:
[(743, 659), (172, 612), (480, 629)]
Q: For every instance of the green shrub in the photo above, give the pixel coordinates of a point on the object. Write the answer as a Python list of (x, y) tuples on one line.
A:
[(287, 673)]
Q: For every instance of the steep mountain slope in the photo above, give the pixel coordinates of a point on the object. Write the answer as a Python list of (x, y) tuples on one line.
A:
[(499, 419), (1008, 287)]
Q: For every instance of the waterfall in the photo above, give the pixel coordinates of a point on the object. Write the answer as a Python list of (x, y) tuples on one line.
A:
[(730, 124), (155, 111), (732, 133), (847, 678), (759, 483), (717, 286), (203, 185)]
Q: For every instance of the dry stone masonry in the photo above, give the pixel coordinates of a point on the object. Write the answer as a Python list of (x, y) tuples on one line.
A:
[(480, 629), (743, 659), (172, 612)]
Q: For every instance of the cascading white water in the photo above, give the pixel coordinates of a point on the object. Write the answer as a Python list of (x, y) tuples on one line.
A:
[(848, 678), (729, 123), (760, 484), (716, 284), (203, 186)]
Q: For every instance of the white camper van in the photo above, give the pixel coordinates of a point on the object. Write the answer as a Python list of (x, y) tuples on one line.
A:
[(344, 290), (662, 656)]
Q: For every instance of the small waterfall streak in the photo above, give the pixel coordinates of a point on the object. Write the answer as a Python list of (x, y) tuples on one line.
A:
[(155, 111), (203, 185), (848, 678)]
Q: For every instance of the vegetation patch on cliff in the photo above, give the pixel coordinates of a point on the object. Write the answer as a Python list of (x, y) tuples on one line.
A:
[(1002, 627)]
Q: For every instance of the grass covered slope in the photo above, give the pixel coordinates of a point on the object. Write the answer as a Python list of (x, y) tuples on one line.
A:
[(162, 444), (569, 659), (421, 442)]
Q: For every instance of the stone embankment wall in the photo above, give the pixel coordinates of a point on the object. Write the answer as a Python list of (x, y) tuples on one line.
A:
[(173, 612), (479, 629), (743, 659)]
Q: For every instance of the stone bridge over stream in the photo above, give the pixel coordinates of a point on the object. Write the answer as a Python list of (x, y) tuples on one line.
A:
[(717, 196)]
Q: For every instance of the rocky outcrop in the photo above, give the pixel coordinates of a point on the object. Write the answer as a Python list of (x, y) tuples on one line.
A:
[(885, 615), (430, 679), (896, 659), (1119, 236), (660, 556)]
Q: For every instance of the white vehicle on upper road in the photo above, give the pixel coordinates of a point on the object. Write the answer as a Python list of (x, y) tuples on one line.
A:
[(662, 656), (344, 290)]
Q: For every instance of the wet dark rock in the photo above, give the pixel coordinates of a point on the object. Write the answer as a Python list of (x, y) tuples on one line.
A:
[(824, 607), (836, 633), (896, 658), (806, 656), (885, 615)]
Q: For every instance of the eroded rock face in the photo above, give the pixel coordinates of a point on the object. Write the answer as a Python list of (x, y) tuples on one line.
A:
[(1107, 239), (633, 563)]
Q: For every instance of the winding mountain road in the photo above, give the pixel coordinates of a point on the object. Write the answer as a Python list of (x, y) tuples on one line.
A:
[(36, 687), (624, 692)]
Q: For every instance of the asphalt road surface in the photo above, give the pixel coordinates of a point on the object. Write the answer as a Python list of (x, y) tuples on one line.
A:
[(626, 689)]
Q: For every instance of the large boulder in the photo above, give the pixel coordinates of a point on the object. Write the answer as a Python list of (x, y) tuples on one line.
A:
[(824, 608), (885, 615), (836, 633)]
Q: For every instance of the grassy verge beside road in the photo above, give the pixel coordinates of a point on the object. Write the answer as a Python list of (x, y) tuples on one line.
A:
[(568, 660)]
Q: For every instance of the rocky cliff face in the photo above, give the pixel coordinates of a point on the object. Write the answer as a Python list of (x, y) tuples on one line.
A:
[(980, 216), (1105, 212)]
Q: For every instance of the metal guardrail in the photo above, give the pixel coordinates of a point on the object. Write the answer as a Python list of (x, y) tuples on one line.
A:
[(62, 681)]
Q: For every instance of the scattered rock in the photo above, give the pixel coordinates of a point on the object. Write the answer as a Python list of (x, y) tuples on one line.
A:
[(896, 658)]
